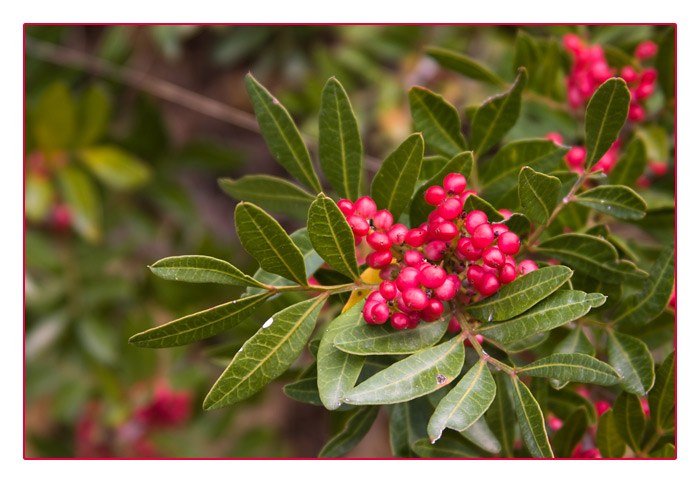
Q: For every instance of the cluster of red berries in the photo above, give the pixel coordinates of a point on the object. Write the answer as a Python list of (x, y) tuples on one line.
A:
[(454, 255), (590, 70), (576, 156)]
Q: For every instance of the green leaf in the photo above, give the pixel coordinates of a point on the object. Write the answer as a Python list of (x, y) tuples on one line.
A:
[(548, 80), (539, 194), (564, 402), (562, 307), (501, 414), (445, 448), (339, 142), (80, 194), (666, 65), (94, 110), (463, 65), (392, 186), (662, 397), (518, 296), (631, 358), (53, 120), (331, 236), (398, 431), (631, 165), (365, 339), (667, 451), (267, 354), (647, 304), (355, 429), (438, 120), (281, 134), (412, 377), (431, 166), (201, 269), (420, 209), (481, 435), (605, 115), (496, 116), (115, 167), (200, 325), (572, 368), (473, 202), (629, 420), (38, 197), (270, 193), (337, 370), (607, 440), (575, 343), (568, 436), (591, 255), (304, 391), (518, 224), (526, 344), (527, 52), (266, 241), (530, 421), (465, 403), (617, 200)]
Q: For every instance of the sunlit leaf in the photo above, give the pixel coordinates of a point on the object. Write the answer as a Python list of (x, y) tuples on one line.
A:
[(115, 167), (93, 114), (80, 194), (53, 120)]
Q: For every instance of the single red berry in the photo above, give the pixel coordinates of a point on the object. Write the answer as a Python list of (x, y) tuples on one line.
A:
[(600, 71), (555, 423), (644, 91), (388, 289), (506, 214), (511, 261), (479, 338), (399, 321), (628, 74), (446, 231), (507, 273), (474, 275), (659, 168), (408, 278), (434, 195), (493, 257), (435, 250), (432, 276), (376, 296), (366, 207), (474, 219), (413, 258), (509, 243), (380, 313), (555, 137), (359, 225), (499, 228), (447, 290), (467, 249), (435, 217), (383, 220), (527, 266), (643, 182), (433, 311), (601, 407), (347, 207), (572, 43), (450, 208), (648, 76), (416, 237), (379, 259), (482, 236), (636, 113), (645, 50), (401, 305), (397, 234), (489, 285), (358, 240), (415, 298), (367, 311), (413, 319), (455, 183), (379, 241), (576, 156), (453, 325)]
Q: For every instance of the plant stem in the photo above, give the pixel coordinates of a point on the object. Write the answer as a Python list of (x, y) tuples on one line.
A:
[(650, 444), (467, 334), (330, 289)]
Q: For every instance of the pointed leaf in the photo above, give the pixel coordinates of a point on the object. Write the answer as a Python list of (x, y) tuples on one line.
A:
[(304, 391), (630, 423), (201, 269), (267, 354), (281, 134), (270, 193), (481, 435), (527, 52), (339, 143), (496, 116), (337, 370), (355, 429), (445, 448), (619, 201), (592, 255), (393, 184), (412, 377), (605, 115), (573, 368), (331, 236), (438, 120), (610, 444), (631, 165), (268, 243), (515, 298), (463, 65), (365, 339), (539, 194), (567, 437), (632, 360), (80, 193), (93, 115), (501, 414), (115, 167), (662, 397), (530, 421), (666, 65), (465, 403), (201, 325), (53, 120), (575, 343), (473, 202)]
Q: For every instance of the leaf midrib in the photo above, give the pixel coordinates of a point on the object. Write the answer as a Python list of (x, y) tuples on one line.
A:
[(400, 175), (657, 281), (352, 269), (447, 135), (602, 124), (466, 393), (505, 97)]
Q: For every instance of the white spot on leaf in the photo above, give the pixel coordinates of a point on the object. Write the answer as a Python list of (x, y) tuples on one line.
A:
[(268, 323)]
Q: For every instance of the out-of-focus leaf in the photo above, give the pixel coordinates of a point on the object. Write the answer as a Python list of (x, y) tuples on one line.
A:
[(572, 368), (201, 269), (548, 78), (270, 193), (518, 224), (438, 120), (538, 194), (564, 402), (631, 165), (463, 65), (666, 64), (662, 397), (304, 390), (355, 429), (632, 360), (94, 110), (567, 437), (501, 414), (398, 431), (115, 167), (530, 421), (80, 194), (608, 442), (38, 197), (617, 200), (99, 339), (481, 435), (666, 451), (605, 115), (527, 53), (267, 354), (53, 120), (629, 420), (445, 448), (365, 339)]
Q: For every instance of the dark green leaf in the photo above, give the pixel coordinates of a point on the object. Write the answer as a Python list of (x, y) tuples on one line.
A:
[(438, 120), (575, 343), (473, 202), (398, 431), (567, 437), (267, 354), (564, 402), (666, 64), (355, 429), (518, 224), (412, 377), (93, 115), (539, 194), (572, 368), (281, 135), (463, 65), (591, 255), (481, 435), (662, 397), (526, 344), (339, 143), (80, 194), (393, 184), (631, 165), (518, 296), (548, 79), (610, 444), (53, 120), (270, 193), (527, 52), (201, 325), (332, 237), (605, 115), (632, 360), (667, 451), (655, 334), (304, 391), (496, 116), (201, 269), (501, 414), (617, 200), (268, 243), (629, 420), (445, 448), (530, 420)]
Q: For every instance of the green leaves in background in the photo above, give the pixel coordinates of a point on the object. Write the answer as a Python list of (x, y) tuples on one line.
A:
[(38, 197), (268, 243), (339, 143), (464, 65), (496, 116), (448, 447), (201, 325), (527, 52), (54, 119), (605, 115), (609, 443), (666, 63), (270, 193), (619, 201), (267, 354), (629, 420), (201, 269), (393, 185), (93, 114), (417, 375), (281, 135), (632, 360), (572, 368), (438, 121), (115, 167), (530, 420), (518, 296), (354, 430), (332, 237), (80, 194), (662, 397), (631, 165), (539, 194), (365, 339), (568, 436)]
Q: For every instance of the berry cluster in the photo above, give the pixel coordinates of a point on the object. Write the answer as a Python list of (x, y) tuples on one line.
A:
[(576, 156), (453, 256)]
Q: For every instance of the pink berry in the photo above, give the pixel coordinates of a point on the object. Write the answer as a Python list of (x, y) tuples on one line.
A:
[(447, 290), (435, 217), (450, 208), (463, 197), (507, 273), (433, 311), (365, 207), (383, 220), (575, 97), (659, 168), (643, 182), (555, 137), (359, 225), (628, 74), (435, 250), (506, 214), (413, 319), (399, 321), (601, 407), (511, 261), (555, 423), (509, 243), (600, 71), (479, 338), (454, 183), (498, 229), (401, 305), (468, 250), (432, 276), (527, 266), (434, 195), (358, 240), (482, 236), (493, 257), (380, 313), (408, 278), (648, 76), (446, 231), (397, 234), (572, 43), (388, 289), (376, 296), (576, 156), (379, 241), (416, 237), (379, 259), (347, 207), (636, 113), (367, 311), (413, 258), (489, 285), (474, 275), (415, 298), (645, 50), (474, 219), (453, 325)]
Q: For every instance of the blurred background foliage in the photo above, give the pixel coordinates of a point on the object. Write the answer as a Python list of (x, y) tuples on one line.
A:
[(128, 128)]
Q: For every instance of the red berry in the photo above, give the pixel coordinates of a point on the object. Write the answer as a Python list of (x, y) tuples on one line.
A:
[(463, 197), (507, 273), (643, 182), (397, 234), (493, 257), (636, 113), (383, 220), (376, 296), (434, 195), (450, 208), (659, 168), (388, 290), (447, 290), (509, 243), (454, 183), (527, 266), (416, 237), (380, 313), (367, 311), (399, 321), (433, 311), (600, 71), (474, 219), (390, 272), (601, 407), (489, 285), (482, 236), (453, 325), (415, 298), (401, 305), (576, 156), (408, 278), (359, 225), (379, 259), (379, 241), (358, 240), (413, 319), (435, 250), (479, 338), (575, 97), (446, 231), (474, 275), (432, 276), (467, 249), (347, 207), (498, 229), (511, 261), (645, 50), (628, 74), (648, 76), (644, 91), (555, 137), (365, 207), (572, 43), (506, 214), (413, 258)]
